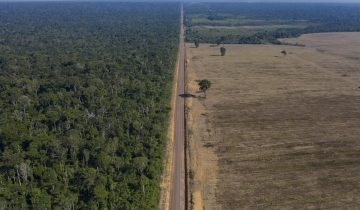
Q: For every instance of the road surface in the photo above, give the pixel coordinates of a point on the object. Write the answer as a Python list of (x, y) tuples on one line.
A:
[(177, 185)]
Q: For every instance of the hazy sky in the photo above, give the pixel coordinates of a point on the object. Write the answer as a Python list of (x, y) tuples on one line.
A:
[(311, 1), (342, 1), (293, 0), (278, 0)]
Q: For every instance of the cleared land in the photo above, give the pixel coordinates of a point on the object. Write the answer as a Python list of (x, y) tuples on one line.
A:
[(276, 132)]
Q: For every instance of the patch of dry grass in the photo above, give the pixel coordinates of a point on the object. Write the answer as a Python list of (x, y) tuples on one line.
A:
[(283, 130)]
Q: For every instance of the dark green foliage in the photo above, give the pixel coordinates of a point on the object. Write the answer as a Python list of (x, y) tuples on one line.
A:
[(310, 17), (220, 40), (84, 100), (215, 17), (204, 85), (222, 51)]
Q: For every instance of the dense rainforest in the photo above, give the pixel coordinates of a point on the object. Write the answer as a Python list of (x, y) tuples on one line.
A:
[(84, 100), (288, 19)]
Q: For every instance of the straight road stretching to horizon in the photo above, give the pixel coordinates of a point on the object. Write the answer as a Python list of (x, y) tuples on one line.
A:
[(177, 185)]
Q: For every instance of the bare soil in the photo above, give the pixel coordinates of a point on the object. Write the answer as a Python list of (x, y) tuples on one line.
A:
[(275, 131)]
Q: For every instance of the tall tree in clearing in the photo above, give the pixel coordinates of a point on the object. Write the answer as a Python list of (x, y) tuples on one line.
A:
[(222, 51), (196, 42), (204, 85)]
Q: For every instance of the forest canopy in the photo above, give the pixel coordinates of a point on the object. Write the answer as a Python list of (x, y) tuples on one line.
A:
[(259, 23), (84, 99)]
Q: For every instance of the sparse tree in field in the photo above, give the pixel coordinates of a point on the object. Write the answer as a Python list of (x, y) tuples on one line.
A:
[(204, 85), (222, 51), (284, 52), (196, 43)]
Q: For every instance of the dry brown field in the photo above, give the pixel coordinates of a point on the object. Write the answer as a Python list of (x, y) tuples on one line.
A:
[(275, 131)]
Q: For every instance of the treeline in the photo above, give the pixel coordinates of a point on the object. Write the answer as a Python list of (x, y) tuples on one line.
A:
[(84, 100), (278, 11), (317, 18)]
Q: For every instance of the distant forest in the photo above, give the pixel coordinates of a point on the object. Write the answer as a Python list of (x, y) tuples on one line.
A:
[(84, 100), (317, 17)]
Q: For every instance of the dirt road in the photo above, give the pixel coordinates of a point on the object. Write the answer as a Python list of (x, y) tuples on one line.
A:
[(177, 186)]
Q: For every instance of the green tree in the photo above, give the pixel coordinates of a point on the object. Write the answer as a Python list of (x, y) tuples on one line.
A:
[(222, 51), (24, 102), (100, 194), (40, 199), (204, 85), (196, 43)]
